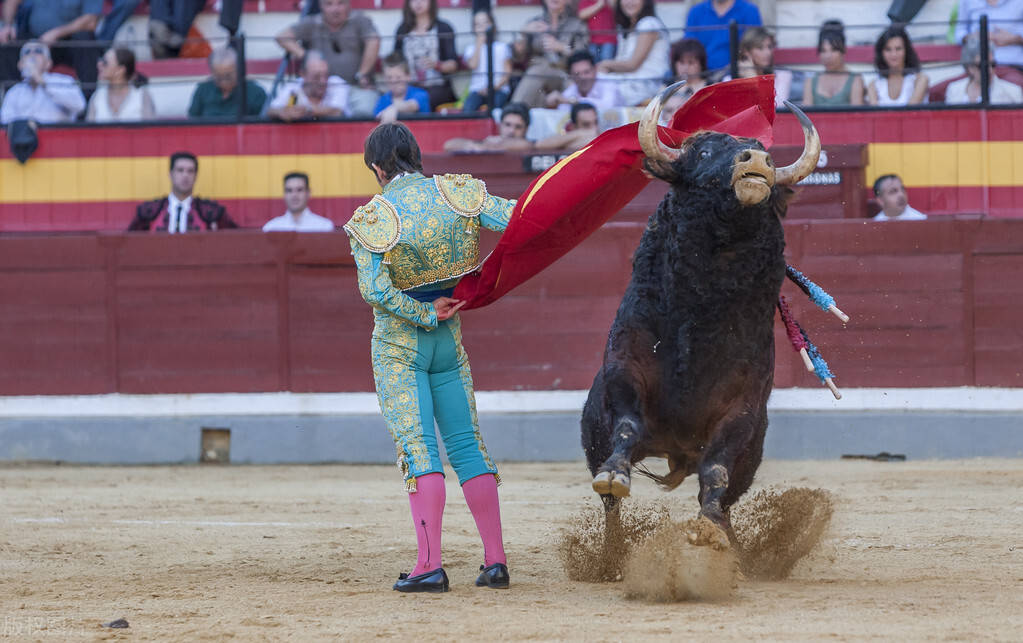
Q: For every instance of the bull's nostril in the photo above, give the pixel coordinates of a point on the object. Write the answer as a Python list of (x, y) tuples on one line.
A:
[(745, 156)]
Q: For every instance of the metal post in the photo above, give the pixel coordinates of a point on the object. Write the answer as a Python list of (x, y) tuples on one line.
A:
[(733, 48), (985, 64), (491, 92), (239, 48)]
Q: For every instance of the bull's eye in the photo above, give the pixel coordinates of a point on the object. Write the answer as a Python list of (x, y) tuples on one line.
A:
[(704, 155)]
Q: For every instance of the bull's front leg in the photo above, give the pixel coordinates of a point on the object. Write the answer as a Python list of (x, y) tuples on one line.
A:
[(614, 476)]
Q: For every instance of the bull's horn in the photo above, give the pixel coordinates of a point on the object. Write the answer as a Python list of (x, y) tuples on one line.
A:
[(807, 161), (648, 138)]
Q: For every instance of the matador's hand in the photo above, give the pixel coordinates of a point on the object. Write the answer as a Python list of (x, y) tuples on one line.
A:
[(446, 307)]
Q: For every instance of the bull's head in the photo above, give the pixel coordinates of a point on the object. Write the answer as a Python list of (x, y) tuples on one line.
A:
[(752, 173)]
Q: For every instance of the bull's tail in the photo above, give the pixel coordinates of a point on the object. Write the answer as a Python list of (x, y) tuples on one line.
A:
[(668, 481)]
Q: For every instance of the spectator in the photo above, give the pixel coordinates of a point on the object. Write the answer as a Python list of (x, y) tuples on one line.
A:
[(1005, 27), (169, 22), (315, 95), (67, 27), (111, 23), (220, 96), (298, 218), (428, 45), (836, 85), (180, 211), (891, 196), (688, 63), (756, 58), (475, 58), (966, 91), (401, 97), (641, 64), (511, 137), (599, 16), (43, 96), (585, 127), (708, 23), (349, 42), (899, 81), (543, 46), (585, 87), (121, 95)]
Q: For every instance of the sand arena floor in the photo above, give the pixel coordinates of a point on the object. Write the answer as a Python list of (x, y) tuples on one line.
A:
[(914, 551)]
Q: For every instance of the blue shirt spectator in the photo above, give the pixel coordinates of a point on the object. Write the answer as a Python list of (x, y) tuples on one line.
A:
[(400, 98), (411, 93), (718, 13)]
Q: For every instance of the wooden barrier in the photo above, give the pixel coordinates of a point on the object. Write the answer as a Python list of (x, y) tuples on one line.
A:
[(933, 303)]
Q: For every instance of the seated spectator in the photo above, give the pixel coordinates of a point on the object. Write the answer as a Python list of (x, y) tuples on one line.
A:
[(543, 47), (602, 94), (585, 128), (689, 63), (221, 96), (1005, 27), (966, 91), (511, 137), (836, 85), (401, 97), (900, 81), (428, 44), (891, 196), (756, 58), (180, 211), (298, 218), (315, 95), (169, 22), (43, 96), (120, 11), (121, 95), (67, 27), (708, 21), (599, 16), (349, 42), (641, 63), (475, 58)]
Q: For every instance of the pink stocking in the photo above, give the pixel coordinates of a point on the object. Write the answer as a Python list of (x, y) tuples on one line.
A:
[(427, 505), (481, 496)]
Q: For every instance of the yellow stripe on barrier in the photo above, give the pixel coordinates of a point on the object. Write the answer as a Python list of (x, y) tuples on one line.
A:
[(958, 164), (220, 177)]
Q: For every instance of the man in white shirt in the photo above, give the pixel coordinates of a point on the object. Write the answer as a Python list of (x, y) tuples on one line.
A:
[(967, 90), (315, 95), (298, 218), (585, 88), (891, 194), (42, 96)]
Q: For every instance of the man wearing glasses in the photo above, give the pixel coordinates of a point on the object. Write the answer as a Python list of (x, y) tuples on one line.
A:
[(42, 96)]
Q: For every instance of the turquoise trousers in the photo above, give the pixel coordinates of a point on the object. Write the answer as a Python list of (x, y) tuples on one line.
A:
[(421, 376)]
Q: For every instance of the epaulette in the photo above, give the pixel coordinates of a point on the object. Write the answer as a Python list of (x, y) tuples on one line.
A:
[(375, 225), (462, 193)]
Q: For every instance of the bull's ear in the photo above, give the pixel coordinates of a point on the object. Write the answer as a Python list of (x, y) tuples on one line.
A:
[(660, 170), (781, 204)]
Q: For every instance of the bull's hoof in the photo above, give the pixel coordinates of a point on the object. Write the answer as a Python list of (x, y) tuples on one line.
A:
[(612, 483), (704, 532)]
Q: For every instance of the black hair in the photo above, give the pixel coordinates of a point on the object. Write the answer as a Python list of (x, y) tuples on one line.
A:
[(297, 175), (690, 47), (393, 148), (895, 31), (833, 33), (625, 22), (408, 19), (577, 56), (177, 156), (517, 108), (881, 179), (396, 59), (126, 59), (580, 107)]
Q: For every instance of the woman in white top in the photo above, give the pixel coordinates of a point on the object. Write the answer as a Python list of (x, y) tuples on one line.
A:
[(119, 96), (475, 58), (900, 81), (756, 58), (641, 62)]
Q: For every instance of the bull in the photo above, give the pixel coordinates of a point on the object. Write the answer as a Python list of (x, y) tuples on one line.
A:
[(689, 361)]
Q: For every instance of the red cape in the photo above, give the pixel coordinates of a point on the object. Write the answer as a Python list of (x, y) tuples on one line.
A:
[(579, 193)]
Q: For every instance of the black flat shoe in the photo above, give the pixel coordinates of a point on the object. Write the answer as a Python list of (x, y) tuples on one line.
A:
[(495, 576), (434, 581)]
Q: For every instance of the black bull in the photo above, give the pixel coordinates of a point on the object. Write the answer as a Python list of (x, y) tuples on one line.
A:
[(689, 362)]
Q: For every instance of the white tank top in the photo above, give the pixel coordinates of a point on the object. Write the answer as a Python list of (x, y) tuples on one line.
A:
[(881, 87), (131, 108)]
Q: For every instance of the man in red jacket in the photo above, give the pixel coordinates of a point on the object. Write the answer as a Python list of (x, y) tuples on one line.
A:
[(179, 211)]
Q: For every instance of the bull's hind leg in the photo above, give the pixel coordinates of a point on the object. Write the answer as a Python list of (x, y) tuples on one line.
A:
[(615, 475)]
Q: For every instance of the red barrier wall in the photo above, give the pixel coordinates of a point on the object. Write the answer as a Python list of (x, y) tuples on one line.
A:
[(933, 303)]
